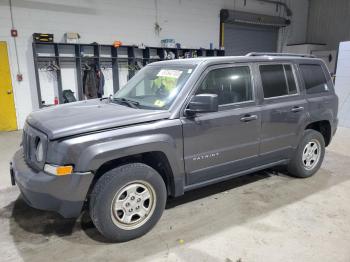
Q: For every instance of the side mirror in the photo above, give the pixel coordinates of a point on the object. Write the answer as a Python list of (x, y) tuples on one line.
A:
[(202, 103)]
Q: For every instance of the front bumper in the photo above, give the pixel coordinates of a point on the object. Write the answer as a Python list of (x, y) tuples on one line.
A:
[(65, 194)]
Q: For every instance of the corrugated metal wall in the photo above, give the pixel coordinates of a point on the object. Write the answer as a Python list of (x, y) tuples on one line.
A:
[(329, 22)]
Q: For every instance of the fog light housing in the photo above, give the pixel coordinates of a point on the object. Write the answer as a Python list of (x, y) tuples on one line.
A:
[(58, 170), (39, 150)]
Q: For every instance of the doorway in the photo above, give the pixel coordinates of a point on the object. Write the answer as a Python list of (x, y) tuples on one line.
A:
[(8, 121)]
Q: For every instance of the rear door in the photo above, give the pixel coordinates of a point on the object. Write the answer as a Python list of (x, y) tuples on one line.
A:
[(323, 103), (284, 110), (221, 143)]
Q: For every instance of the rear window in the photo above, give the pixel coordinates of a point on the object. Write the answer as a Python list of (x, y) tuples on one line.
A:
[(314, 79), (277, 80)]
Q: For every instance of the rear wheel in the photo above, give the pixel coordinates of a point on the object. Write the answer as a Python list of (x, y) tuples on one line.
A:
[(127, 201), (308, 156)]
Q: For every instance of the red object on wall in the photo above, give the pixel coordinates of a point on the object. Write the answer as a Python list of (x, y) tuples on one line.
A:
[(14, 33), (19, 77), (117, 44)]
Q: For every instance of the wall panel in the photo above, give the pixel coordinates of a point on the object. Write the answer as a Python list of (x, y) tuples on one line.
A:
[(329, 22)]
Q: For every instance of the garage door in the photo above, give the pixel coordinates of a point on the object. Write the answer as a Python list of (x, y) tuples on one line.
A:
[(242, 39)]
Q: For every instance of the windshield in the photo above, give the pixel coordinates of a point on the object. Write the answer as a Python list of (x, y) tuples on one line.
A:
[(154, 87)]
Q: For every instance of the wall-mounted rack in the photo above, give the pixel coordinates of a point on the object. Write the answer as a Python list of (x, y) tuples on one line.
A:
[(79, 54)]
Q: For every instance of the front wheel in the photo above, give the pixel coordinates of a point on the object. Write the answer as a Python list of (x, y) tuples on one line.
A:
[(308, 156), (127, 201)]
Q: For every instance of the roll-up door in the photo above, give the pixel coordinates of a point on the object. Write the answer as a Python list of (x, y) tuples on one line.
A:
[(241, 39)]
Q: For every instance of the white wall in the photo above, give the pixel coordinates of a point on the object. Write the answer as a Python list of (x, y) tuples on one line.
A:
[(342, 84), (193, 23)]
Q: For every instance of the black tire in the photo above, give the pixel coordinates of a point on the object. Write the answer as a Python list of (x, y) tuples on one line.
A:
[(112, 183), (296, 166)]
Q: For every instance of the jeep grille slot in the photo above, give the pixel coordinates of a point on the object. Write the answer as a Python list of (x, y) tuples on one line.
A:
[(26, 146), (30, 135)]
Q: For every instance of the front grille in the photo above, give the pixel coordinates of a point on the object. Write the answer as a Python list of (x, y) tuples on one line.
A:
[(26, 146), (29, 141)]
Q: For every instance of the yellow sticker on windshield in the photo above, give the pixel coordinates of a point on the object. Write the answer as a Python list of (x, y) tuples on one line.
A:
[(159, 103)]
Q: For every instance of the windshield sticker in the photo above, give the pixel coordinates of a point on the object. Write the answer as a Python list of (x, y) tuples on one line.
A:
[(159, 103), (170, 73), (189, 71)]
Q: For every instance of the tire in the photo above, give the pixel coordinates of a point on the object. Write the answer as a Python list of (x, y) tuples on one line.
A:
[(127, 201), (301, 165)]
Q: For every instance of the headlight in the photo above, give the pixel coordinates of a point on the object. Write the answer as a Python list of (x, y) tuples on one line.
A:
[(39, 151)]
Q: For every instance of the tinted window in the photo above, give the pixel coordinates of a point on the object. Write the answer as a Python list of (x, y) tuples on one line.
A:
[(277, 80), (232, 85), (314, 79)]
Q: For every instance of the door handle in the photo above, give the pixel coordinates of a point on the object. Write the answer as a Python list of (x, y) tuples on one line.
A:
[(297, 109), (9, 92), (248, 118)]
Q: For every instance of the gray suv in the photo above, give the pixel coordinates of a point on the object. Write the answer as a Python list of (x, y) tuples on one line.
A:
[(175, 126)]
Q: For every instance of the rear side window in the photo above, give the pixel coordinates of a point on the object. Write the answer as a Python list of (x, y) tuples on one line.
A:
[(231, 84), (314, 79), (277, 80)]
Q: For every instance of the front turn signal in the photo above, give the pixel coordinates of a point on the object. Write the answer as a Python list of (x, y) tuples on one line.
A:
[(58, 170)]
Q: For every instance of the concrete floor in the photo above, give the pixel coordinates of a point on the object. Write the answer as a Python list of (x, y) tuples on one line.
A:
[(259, 217)]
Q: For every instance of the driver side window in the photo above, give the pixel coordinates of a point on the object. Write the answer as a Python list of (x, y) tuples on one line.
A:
[(231, 84)]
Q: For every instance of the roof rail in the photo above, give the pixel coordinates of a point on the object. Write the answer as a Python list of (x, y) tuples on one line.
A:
[(279, 54)]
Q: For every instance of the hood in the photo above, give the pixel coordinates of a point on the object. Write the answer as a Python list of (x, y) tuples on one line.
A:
[(87, 116)]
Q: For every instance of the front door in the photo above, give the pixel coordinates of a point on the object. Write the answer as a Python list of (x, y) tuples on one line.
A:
[(222, 143), (8, 120)]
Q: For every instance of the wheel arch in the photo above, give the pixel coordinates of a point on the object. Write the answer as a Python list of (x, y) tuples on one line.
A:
[(160, 151), (324, 127), (155, 159)]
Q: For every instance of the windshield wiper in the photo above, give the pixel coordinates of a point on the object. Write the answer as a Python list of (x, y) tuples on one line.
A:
[(128, 102)]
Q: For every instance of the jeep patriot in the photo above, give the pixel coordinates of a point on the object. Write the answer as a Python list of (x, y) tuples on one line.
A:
[(175, 126)]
